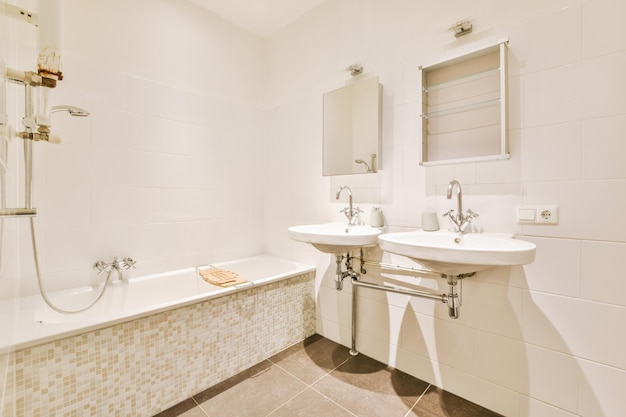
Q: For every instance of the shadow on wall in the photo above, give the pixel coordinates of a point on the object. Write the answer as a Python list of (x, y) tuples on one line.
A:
[(505, 352), (487, 357)]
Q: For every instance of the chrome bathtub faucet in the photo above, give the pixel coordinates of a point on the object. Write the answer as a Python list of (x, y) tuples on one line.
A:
[(117, 265), (460, 220)]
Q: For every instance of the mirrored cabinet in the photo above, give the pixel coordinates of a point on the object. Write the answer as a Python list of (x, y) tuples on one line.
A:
[(352, 128), (464, 107)]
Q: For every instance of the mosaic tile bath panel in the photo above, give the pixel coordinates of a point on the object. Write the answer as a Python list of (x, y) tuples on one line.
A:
[(142, 367)]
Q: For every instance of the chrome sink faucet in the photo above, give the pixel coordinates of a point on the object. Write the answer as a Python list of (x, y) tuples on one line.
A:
[(351, 213), (460, 220)]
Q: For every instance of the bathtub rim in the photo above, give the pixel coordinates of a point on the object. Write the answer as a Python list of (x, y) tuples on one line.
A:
[(58, 331)]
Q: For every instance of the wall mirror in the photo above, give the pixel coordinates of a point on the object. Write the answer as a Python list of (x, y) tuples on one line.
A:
[(352, 128), (464, 107)]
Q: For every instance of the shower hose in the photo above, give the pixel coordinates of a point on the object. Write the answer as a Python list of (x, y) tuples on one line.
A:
[(40, 284)]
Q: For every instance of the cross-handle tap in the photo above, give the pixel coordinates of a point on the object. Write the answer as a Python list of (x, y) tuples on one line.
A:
[(126, 264), (353, 216), (460, 220), (101, 267), (351, 213), (467, 220)]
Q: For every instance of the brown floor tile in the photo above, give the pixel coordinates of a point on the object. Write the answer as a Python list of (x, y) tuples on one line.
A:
[(312, 358), (367, 388), (342, 386), (311, 403), (252, 393), (187, 408), (439, 403)]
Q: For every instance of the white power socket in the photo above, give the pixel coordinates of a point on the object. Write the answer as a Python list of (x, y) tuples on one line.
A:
[(537, 214)]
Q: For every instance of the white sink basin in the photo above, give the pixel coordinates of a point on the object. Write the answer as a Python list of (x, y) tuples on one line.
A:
[(336, 238), (454, 254)]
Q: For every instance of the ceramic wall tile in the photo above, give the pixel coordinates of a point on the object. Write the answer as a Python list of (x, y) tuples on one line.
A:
[(599, 389), (573, 326), (603, 32), (557, 267), (540, 145), (536, 45), (603, 79), (600, 280), (603, 148)]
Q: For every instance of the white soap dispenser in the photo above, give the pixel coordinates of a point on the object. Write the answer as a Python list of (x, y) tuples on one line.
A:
[(376, 217)]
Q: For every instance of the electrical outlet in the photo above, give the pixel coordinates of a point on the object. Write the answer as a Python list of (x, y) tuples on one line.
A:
[(548, 215), (537, 215)]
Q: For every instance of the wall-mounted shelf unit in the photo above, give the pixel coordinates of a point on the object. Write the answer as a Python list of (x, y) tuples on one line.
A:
[(464, 106)]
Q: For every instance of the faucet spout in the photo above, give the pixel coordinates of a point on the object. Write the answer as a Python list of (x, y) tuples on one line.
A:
[(459, 197), (118, 268), (340, 189)]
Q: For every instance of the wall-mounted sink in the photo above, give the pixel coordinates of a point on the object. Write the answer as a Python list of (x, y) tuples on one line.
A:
[(453, 253), (336, 238)]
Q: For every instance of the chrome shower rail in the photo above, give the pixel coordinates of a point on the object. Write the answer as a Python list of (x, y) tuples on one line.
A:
[(34, 131)]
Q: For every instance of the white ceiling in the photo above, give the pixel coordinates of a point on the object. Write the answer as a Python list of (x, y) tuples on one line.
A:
[(262, 17)]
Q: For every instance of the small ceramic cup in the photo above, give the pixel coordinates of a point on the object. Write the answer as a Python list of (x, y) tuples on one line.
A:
[(430, 222)]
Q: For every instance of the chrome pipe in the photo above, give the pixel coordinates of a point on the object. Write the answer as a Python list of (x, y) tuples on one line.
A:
[(356, 284), (454, 297), (405, 291), (18, 212), (453, 303), (29, 114), (338, 273), (426, 272), (353, 350), (23, 77)]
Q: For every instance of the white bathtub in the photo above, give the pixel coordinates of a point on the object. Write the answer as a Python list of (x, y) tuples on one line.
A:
[(28, 321)]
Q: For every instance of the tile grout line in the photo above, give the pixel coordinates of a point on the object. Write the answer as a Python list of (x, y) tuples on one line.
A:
[(199, 406), (330, 399), (317, 380), (334, 402), (418, 400), (280, 406), (310, 386)]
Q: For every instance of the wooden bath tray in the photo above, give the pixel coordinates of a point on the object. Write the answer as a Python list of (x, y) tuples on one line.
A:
[(221, 277)]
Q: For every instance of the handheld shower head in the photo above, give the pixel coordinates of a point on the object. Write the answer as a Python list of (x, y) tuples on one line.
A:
[(72, 110), (360, 161)]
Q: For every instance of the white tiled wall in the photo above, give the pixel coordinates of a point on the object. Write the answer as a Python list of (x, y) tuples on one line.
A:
[(168, 167), (539, 340), (205, 144)]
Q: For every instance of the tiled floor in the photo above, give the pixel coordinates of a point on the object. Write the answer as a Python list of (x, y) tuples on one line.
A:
[(319, 378)]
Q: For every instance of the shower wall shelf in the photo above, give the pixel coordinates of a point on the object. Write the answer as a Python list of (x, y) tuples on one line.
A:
[(464, 106)]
